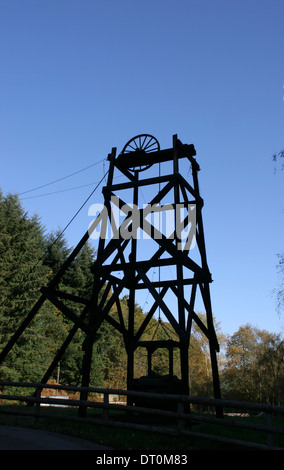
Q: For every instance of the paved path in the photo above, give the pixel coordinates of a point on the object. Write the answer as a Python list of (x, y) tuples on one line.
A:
[(14, 438)]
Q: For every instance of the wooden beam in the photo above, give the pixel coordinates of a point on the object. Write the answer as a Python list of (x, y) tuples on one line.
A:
[(163, 306), (149, 315), (63, 308), (138, 158)]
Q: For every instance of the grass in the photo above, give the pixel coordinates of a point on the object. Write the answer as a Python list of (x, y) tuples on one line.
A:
[(122, 438)]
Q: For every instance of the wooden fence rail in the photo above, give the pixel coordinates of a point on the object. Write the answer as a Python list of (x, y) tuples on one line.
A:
[(181, 421)]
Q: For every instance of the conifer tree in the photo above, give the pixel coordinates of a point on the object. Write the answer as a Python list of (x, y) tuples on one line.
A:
[(22, 274)]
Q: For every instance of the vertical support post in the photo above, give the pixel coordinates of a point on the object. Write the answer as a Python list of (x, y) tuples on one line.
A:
[(106, 404), (94, 320), (86, 371), (199, 222), (213, 346), (184, 366), (180, 410), (171, 361), (37, 408), (149, 360), (131, 303), (179, 271), (111, 158), (216, 380)]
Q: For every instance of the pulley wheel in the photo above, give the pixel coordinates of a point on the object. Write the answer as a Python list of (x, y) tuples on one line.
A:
[(142, 143)]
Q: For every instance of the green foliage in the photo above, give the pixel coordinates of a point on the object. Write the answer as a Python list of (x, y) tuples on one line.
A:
[(22, 274), (255, 370)]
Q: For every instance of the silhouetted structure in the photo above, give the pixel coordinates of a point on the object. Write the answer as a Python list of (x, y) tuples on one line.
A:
[(122, 264)]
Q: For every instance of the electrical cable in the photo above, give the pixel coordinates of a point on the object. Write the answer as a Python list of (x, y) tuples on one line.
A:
[(81, 207), (64, 190), (61, 179), (59, 191)]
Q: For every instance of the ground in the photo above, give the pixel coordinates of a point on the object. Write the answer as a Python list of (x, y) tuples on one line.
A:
[(15, 438)]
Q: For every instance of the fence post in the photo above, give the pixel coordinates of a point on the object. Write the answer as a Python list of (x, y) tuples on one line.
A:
[(180, 409), (106, 402), (37, 408)]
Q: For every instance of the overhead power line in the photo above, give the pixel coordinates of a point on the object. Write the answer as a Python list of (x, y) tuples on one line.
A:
[(59, 191), (84, 203), (61, 179)]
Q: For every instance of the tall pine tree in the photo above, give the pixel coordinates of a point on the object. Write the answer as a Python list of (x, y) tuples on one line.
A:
[(22, 274)]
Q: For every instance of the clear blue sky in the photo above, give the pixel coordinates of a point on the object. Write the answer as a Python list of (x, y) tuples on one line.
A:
[(79, 77)]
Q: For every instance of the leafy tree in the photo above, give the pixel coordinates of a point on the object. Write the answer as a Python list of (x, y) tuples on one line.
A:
[(200, 369), (241, 354), (269, 370), (254, 369)]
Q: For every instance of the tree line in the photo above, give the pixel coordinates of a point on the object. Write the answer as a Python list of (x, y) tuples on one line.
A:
[(250, 363)]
